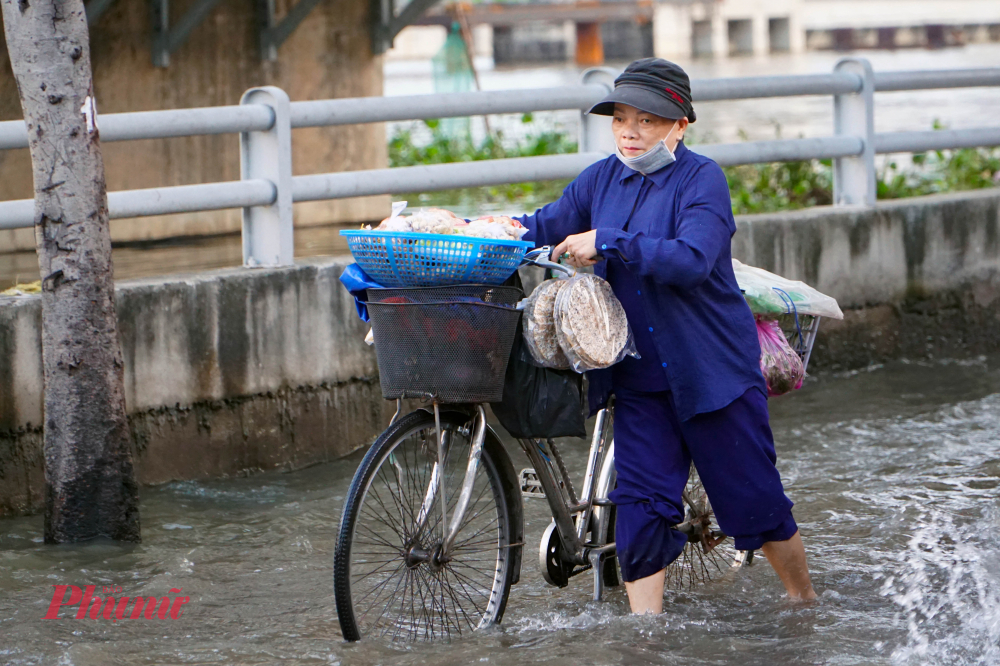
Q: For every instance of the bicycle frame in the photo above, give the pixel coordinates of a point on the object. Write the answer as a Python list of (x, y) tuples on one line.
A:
[(574, 516)]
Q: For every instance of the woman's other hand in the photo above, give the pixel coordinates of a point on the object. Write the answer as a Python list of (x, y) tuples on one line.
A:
[(581, 249)]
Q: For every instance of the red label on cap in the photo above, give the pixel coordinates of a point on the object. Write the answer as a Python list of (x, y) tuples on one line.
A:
[(677, 97)]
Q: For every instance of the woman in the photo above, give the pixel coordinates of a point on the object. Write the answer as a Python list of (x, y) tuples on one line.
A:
[(655, 220)]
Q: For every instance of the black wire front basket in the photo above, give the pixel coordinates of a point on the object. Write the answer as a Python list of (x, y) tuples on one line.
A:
[(448, 344)]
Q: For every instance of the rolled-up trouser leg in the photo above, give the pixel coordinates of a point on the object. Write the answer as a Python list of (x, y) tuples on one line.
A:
[(733, 451), (652, 464)]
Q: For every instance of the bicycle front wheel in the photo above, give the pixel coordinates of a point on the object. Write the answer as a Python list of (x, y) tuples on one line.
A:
[(389, 582)]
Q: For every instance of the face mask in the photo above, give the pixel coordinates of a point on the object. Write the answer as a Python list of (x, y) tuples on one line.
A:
[(653, 159)]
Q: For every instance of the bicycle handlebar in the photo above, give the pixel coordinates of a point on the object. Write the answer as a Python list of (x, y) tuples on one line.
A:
[(532, 258)]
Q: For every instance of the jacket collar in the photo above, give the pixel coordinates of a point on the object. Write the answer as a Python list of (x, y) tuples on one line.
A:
[(658, 177)]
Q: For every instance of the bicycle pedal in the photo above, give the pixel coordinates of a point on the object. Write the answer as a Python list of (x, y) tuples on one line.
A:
[(530, 485)]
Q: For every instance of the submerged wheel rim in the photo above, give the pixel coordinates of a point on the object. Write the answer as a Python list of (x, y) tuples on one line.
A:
[(401, 590), (701, 562)]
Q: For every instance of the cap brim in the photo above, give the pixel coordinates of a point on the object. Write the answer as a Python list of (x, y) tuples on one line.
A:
[(640, 98)]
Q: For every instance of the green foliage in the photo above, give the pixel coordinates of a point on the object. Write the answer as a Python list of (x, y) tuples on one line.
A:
[(761, 188), (754, 188), (941, 171), (443, 148), (764, 188)]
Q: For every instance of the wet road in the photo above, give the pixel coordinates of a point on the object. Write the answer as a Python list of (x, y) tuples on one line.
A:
[(894, 472)]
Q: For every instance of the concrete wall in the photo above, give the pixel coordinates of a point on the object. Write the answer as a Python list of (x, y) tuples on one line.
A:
[(235, 370), (916, 277), (225, 372), (328, 56), (885, 254), (422, 42)]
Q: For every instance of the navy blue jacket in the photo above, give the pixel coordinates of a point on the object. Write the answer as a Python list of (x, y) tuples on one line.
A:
[(677, 245)]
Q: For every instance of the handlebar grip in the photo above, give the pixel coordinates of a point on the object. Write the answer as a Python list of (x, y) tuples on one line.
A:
[(553, 266), (532, 259), (540, 257)]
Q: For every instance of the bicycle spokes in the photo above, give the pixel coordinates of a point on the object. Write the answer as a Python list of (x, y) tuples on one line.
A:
[(406, 573), (709, 552)]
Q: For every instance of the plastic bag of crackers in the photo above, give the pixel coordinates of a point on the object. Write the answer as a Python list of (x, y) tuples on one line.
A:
[(577, 323)]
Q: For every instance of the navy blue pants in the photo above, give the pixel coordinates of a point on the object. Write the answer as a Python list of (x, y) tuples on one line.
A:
[(733, 451)]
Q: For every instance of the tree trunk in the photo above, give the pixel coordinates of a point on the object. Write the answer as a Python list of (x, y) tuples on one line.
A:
[(89, 481)]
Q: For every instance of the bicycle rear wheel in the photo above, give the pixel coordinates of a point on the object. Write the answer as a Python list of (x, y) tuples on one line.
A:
[(388, 580), (709, 553)]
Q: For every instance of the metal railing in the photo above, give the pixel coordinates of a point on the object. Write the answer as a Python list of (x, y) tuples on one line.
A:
[(265, 118)]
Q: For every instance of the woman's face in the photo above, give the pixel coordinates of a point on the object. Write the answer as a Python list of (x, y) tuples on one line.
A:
[(637, 131)]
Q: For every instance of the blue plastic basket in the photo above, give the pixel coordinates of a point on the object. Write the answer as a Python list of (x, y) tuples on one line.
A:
[(408, 259)]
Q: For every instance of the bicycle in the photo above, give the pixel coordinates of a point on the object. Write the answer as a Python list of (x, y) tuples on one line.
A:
[(403, 570)]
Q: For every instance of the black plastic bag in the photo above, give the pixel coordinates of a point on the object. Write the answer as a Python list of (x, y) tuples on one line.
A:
[(539, 402)]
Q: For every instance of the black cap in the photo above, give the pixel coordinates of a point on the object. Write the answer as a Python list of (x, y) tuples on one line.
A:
[(653, 85)]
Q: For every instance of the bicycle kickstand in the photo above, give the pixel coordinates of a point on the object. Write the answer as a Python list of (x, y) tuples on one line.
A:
[(596, 557), (595, 564)]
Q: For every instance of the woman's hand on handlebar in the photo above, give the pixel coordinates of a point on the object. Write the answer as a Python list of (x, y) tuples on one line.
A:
[(581, 248)]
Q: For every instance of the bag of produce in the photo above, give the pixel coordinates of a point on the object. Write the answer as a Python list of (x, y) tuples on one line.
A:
[(591, 326), (771, 295), (781, 366)]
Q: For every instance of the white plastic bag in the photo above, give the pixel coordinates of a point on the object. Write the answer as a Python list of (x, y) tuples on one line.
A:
[(770, 295)]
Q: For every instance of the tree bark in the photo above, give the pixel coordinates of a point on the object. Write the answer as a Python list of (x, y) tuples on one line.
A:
[(90, 485)]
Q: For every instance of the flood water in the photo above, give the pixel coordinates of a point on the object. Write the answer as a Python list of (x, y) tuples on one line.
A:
[(894, 472)]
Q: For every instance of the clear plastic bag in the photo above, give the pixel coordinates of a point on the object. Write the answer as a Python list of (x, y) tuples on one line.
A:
[(591, 326), (771, 295), (782, 367), (540, 326)]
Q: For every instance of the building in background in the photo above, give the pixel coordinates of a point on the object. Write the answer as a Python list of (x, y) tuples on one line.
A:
[(618, 30)]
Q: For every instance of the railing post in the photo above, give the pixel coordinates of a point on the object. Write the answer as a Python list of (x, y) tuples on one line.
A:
[(854, 115), (268, 236), (595, 131)]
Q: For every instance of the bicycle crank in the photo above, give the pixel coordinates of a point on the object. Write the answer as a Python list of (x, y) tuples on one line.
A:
[(556, 570)]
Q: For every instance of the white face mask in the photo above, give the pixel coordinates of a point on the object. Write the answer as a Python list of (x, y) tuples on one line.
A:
[(653, 159)]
